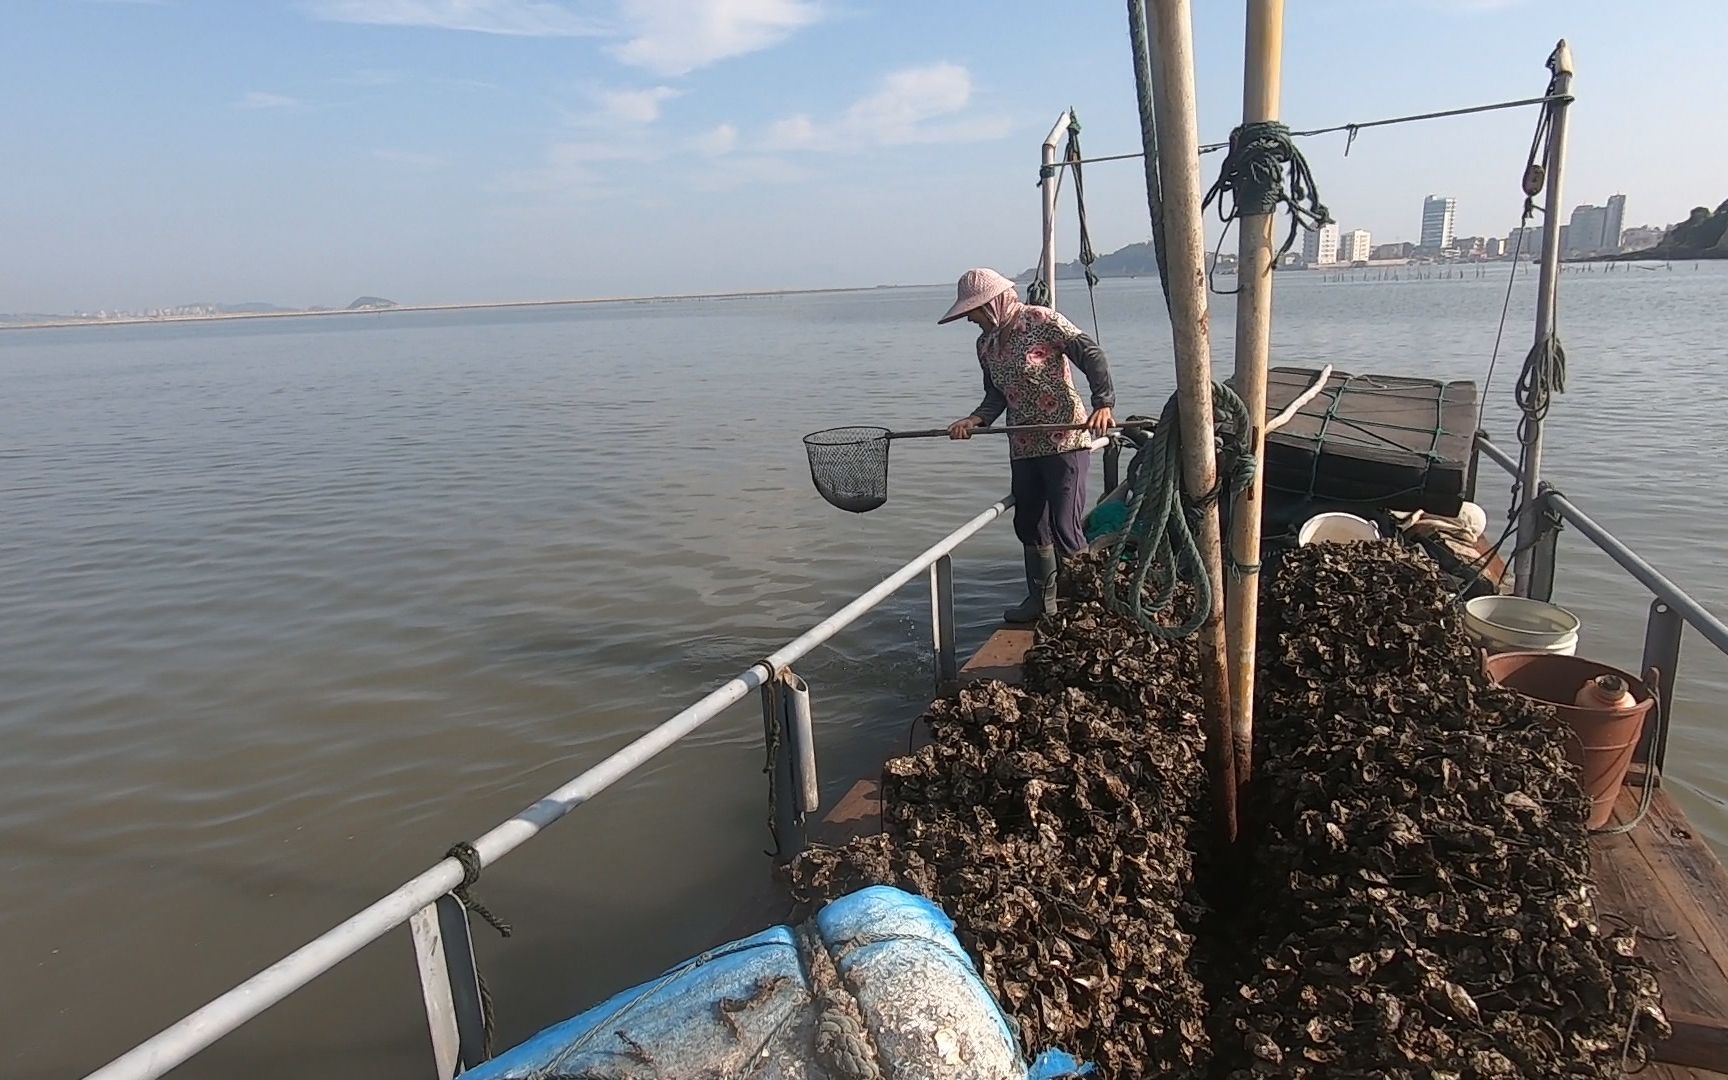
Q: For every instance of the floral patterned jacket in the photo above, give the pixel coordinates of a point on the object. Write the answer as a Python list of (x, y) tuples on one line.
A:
[(1025, 364)]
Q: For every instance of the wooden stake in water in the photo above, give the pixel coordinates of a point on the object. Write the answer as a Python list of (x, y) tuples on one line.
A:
[(1170, 26), (1262, 75)]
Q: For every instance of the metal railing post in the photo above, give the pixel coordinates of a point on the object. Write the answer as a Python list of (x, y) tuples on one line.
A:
[(1545, 556), (1530, 521), (450, 985), (1662, 632), (1470, 473), (942, 623), (801, 742), (435, 989)]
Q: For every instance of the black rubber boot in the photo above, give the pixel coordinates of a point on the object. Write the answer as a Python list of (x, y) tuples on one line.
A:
[(1041, 568)]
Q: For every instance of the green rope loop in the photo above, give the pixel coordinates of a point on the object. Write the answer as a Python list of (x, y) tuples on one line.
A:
[(1262, 169), (1157, 544)]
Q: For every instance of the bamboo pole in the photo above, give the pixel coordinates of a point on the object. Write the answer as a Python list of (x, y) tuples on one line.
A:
[(1262, 63), (1170, 26)]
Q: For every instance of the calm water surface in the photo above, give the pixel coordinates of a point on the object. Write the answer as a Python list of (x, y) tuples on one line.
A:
[(287, 607)]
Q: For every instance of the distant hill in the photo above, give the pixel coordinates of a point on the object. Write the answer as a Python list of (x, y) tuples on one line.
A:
[(1135, 260), (256, 307), (371, 303), (1703, 235)]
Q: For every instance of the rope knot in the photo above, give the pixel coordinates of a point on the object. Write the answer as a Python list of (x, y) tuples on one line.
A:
[(1263, 169), (469, 858)]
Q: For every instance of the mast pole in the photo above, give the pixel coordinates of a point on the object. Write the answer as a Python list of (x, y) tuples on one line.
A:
[(1262, 78), (1547, 304), (1171, 31), (1047, 176)]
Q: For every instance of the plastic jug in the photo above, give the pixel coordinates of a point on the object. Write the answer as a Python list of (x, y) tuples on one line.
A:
[(1605, 692)]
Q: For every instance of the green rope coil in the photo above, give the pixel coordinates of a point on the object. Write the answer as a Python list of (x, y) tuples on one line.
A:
[(1157, 543), (1262, 169)]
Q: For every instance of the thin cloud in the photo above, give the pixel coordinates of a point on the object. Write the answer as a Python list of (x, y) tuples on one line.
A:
[(636, 106), (717, 140), (666, 37), (930, 104), (675, 37), (517, 18), (259, 99)]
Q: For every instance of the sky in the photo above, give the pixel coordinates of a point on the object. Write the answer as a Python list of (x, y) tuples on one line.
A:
[(306, 152)]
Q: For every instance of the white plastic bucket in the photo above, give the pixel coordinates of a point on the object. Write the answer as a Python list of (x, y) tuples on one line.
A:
[(1506, 623), (1335, 529)]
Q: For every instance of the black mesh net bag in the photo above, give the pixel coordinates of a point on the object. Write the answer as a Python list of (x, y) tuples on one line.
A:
[(849, 466)]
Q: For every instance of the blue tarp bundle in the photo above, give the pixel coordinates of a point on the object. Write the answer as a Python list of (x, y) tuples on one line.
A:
[(875, 985)]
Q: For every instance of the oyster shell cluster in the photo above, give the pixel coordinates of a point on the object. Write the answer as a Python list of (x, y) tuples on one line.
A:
[(1412, 897)]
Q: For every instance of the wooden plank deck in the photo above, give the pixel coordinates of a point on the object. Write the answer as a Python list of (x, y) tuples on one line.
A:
[(1660, 879)]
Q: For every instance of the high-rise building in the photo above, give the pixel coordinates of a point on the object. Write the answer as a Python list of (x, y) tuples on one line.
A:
[(1526, 241), (1616, 223), (1355, 246), (1587, 231), (1320, 246), (1438, 218), (1495, 248)]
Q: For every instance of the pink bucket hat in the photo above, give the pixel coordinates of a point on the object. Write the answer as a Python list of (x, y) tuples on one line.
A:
[(977, 288)]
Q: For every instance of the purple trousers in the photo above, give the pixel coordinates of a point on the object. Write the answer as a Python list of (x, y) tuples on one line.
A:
[(1050, 500)]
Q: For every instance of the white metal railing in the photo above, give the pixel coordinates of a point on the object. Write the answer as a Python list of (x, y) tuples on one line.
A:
[(439, 922), (1671, 607)]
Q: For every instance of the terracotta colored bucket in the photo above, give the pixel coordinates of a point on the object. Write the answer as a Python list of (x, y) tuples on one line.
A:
[(1603, 739)]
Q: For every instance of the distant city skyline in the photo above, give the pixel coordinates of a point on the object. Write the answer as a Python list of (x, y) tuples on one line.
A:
[(1590, 230), (304, 152)]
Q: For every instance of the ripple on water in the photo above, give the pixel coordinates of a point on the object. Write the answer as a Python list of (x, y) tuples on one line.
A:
[(289, 606)]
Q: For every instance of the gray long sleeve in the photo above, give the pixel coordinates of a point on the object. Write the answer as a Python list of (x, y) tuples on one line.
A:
[(994, 401), (1089, 358)]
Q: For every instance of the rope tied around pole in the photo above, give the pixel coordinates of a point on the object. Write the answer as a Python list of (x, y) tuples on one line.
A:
[(465, 854), (1157, 544), (469, 857), (1262, 170)]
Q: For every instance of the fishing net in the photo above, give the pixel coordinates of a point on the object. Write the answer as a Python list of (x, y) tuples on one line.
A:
[(849, 466)]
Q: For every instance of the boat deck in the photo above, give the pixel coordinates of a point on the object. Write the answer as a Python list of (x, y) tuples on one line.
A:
[(1661, 880)]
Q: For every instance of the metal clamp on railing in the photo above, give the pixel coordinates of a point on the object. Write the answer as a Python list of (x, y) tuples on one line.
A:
[(1546, 554), (790, 736)]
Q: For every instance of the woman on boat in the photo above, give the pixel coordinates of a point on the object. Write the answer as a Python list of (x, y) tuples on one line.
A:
[(1024, 351)]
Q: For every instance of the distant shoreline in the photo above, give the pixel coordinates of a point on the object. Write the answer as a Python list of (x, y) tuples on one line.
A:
[(61, 324)]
